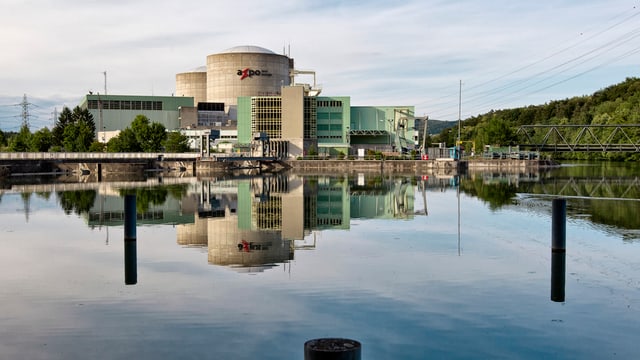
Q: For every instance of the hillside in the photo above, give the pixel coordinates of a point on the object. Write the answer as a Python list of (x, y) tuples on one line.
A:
[(438, 126), (616, 104)]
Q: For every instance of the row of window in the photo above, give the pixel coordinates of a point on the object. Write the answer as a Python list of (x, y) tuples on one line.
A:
[(125, 105), (329, 103)]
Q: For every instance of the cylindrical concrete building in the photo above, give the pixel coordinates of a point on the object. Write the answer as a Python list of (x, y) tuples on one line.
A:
[(193, 84), (245, 71)]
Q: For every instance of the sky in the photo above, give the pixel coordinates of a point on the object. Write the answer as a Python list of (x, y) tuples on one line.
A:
[(450, 59)]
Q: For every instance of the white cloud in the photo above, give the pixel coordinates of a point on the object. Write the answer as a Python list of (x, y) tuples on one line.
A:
[(378, 53)]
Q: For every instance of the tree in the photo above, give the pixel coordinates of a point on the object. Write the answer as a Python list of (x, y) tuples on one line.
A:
[(499, 132), (65, 118), (126, 141), (41, 140), (77, 137), (150, 136), (3, 139), (176, 142), (97, 146), (83, 115), (70, 125), (156, 137), (22, 140)]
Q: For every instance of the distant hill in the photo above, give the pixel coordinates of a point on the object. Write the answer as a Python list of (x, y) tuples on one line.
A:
[(616, 104), (438, 126)]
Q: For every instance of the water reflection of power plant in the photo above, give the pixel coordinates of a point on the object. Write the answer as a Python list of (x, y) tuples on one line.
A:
[(255, 223)]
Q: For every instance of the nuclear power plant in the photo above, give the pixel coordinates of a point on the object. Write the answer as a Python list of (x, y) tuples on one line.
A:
[(248, 90), (235, 72)]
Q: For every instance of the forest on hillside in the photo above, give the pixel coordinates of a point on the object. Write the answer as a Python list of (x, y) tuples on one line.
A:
[(616, 104)]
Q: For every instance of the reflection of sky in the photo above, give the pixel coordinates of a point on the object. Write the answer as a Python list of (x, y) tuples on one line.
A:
[(398, 286)]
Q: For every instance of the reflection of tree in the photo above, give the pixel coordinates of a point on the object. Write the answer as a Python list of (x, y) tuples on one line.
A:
[(44, 195), (78, 202), (177, 191), (372, 185), (621, 214), (145, 197), (594, 189), (495, 194)]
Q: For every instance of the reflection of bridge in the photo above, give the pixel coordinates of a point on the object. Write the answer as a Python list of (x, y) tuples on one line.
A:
[(580, 138), (61, 187), (601, 188)]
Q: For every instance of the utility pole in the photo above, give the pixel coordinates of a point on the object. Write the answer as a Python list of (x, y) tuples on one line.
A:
[(459, 120), (25, 111), (424, 134), (459, 110), (105, 82), (55, 116)]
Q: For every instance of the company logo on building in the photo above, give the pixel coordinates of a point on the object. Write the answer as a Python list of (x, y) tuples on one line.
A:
[(247, 72)]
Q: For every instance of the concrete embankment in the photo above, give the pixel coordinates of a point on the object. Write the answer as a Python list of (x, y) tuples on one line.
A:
[(103, 170)]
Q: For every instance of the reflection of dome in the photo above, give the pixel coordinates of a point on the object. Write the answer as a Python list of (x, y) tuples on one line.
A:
[(247, 49)]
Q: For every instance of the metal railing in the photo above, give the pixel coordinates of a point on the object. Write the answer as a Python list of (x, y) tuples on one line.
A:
[(94, 156)]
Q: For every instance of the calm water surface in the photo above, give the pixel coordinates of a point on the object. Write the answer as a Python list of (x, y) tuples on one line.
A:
[(251, 268)]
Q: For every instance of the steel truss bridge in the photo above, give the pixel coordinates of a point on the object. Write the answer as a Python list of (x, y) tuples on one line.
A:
[(580, 138)]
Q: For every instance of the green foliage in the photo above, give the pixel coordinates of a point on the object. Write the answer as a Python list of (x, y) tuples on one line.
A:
[(21, 141), (64, 119), (617, 104), (142, 135), (3, 139), (438, 126), (176, 142), (312, 151), (78, 202), (74, 130), (77, 137), (41, 140), (97, 146), (125, 142)]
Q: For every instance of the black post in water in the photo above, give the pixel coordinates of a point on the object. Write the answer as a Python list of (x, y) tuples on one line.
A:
[(558, 270), (332, 349), (130, 253), (558, 225), (558, 249)]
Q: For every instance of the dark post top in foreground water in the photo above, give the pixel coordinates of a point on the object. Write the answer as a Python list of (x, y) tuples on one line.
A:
[(332, 349), (558, 224), (130, 253)]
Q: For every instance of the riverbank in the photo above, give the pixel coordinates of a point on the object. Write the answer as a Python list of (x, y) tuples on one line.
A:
[(159, 164)]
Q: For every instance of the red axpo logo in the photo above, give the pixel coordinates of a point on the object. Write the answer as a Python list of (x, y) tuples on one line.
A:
[(247, 72)]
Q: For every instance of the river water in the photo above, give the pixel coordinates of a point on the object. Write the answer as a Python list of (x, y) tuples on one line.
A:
[(251, 267)]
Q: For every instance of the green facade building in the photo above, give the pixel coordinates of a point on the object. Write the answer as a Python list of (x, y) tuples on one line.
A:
[(330, 125), (117, 112)]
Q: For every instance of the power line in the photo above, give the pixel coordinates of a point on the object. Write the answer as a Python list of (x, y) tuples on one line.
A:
[(603, 50)]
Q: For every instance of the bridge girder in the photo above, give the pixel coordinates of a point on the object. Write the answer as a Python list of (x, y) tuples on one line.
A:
[(580, 138)]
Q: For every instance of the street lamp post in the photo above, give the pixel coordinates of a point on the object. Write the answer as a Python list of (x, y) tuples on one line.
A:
[(391, 123)]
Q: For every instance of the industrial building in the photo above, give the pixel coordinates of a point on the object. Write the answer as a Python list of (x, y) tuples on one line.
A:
[(112, 113), (249, 90)]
